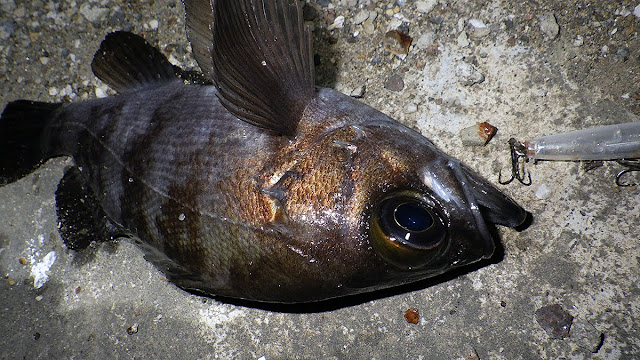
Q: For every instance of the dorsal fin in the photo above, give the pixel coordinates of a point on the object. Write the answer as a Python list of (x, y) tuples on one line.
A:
[(126, 61), (263, 61), (199, 20)]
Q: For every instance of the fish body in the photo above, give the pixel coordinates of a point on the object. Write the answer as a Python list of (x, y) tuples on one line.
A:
[(261, 186)]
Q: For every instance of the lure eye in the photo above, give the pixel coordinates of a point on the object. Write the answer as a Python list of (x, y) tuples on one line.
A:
[(407, 231)]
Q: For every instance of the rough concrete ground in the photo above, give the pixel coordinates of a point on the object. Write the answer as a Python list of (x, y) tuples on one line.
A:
[(581, 252)]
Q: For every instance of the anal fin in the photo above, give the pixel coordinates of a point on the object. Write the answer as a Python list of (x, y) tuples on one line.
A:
[(82, 222)]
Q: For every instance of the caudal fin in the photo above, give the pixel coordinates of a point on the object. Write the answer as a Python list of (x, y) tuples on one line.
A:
[(21, 126)]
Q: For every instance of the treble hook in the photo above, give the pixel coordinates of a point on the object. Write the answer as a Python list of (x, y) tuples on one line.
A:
[(631, 166), (518, 169)]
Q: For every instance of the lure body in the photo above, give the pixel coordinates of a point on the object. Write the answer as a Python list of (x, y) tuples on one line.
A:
[(610, 142)]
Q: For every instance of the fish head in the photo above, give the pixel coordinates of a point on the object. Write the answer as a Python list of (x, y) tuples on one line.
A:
[(387, 206), (350, 201)]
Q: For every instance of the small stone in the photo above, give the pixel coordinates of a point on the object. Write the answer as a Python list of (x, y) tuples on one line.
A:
[(425, 7), (554, 320), (544, 191), (153, 24), (477, 23), (426, 40), (468, 75), (394, 83), (6, 29), (411, 108), (481, 32), (373, 15), (19, 12), (133, 329), (623, 53), (586, 335), (636, 11), (53, 91), (412, 316), (93, 14), (579, 41), (369, 28), (100, 92), (338, 23), (361, 17), (358, 92), (622, 12), (397, 42), (463, 40), (549, 26), (39, 298), (478, 134)]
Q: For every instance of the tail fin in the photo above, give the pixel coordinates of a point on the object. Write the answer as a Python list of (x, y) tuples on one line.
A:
[(21, 126)]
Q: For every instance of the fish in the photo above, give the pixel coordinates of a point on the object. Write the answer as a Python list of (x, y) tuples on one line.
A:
[(246, 181)]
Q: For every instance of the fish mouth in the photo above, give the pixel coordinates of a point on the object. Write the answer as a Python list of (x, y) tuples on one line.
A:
[(495, 206), (487, 205)]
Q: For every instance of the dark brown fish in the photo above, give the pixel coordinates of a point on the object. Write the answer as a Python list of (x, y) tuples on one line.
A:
[(261, 186)]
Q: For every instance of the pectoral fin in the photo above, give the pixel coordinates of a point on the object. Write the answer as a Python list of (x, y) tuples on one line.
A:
[(262, 61)]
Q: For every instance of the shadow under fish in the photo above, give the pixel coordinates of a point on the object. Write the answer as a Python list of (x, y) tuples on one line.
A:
[(246, 181)]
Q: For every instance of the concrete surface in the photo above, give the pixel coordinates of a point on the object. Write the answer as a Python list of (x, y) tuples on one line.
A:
[(548, 66)]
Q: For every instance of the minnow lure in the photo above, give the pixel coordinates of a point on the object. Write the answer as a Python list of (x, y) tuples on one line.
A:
[(619, 142)]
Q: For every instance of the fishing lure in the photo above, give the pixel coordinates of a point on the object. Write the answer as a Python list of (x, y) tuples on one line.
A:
[(618, 142)]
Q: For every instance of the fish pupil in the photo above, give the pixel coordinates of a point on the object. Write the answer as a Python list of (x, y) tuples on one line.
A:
[(412, 217)]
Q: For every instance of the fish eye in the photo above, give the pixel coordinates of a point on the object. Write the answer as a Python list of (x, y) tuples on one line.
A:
[(406, 230)]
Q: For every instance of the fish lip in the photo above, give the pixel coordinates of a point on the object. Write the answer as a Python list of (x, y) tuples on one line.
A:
[(495, 207), (487, 205), (480, 221)]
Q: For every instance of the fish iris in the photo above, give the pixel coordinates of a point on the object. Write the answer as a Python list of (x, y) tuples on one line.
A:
[(407, 230)]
